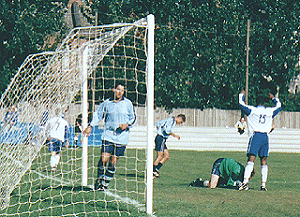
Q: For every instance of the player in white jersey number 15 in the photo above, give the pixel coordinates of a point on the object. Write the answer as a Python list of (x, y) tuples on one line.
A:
[(259, 120)]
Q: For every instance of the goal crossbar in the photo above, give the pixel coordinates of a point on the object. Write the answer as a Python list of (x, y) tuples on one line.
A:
[(46, 82)]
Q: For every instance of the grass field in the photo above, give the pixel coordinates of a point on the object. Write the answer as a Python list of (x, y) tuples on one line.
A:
[(172, 195)]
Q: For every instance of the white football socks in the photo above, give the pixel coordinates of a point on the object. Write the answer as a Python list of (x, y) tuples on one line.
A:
[(248, 171), (264, 175), (54, 160)]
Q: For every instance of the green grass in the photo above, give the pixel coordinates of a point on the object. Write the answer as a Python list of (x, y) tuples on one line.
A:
[(172, 196), (45, 195)]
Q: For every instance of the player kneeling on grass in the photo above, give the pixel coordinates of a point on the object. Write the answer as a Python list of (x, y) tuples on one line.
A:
[(226, 172), (164, 130)]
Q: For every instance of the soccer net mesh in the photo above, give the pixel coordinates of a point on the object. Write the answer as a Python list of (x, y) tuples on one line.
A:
[(99, 57)]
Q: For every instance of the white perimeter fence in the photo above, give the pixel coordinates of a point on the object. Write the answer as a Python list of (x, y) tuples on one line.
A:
[(213, 130), (218, 117), (218, 139), (210, 129)]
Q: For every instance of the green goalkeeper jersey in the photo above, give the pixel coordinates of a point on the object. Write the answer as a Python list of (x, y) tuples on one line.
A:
[(231, 171)]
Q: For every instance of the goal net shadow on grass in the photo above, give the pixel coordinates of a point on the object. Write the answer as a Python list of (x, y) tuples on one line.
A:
[(53, 80), (44, 193)]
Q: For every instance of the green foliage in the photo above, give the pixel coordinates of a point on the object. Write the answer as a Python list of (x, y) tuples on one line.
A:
[(24, 24), (200, 47), (276, 41)]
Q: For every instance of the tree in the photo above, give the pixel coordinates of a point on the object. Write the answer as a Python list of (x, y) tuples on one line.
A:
[(275, 45), (200, 45), (24, 26)]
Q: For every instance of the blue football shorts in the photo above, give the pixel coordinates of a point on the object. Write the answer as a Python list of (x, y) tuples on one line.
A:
[(113, 148), (160, 143), (54, 145), (215, 169), (258, 145)]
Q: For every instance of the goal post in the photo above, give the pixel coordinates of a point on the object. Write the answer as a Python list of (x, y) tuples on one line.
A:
[(84, 105), (73, 80), (150, 114)]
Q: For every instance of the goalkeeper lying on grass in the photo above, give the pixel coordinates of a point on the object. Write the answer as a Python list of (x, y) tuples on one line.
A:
[(226, 172)]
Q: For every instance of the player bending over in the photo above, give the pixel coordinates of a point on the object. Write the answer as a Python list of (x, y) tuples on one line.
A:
[(164, 130), (259, 125), (226, 172)]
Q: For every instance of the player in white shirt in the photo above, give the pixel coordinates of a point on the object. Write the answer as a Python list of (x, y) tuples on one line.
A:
[(259, 125), (57, 130)]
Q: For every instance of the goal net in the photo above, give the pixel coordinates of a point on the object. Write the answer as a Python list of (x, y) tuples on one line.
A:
[(71, 83)]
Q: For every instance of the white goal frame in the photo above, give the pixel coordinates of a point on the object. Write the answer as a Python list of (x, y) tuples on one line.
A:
[(41, 70), (150, 113)]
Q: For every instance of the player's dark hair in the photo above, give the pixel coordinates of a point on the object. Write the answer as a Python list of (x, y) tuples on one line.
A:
[(120, 83), (261, 99), (182, 116)]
